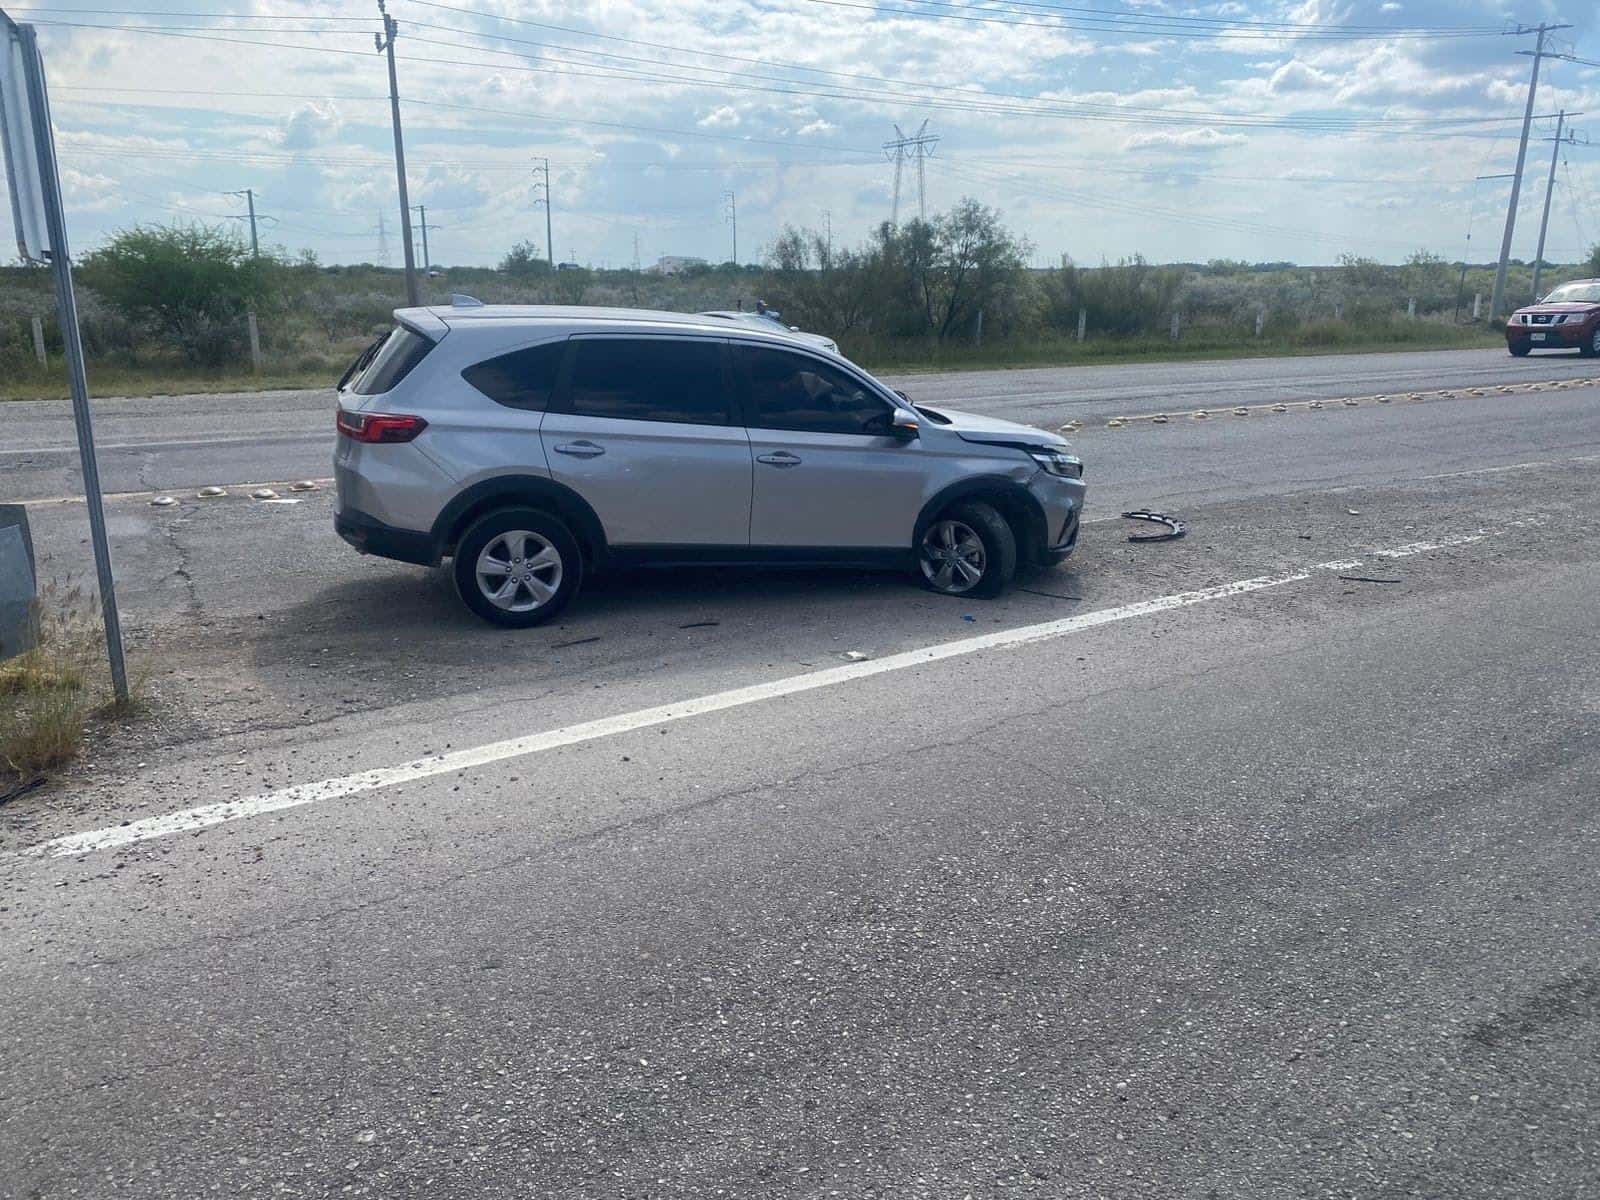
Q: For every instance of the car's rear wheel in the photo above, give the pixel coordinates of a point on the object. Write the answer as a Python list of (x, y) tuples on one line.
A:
[(969, 550), (517, 567), (1590, 347), (1519, 351)]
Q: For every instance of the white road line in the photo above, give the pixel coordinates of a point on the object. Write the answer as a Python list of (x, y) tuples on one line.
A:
[(1411, 548), (459, 760)]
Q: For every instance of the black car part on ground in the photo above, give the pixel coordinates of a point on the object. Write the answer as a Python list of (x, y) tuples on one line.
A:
[(1175, 528)]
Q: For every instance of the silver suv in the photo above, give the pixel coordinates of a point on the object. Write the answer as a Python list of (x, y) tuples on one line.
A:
[(533, 445)]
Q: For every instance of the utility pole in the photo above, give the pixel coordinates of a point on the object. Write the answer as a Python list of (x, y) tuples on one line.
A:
[(422, 223), (549, 238), (827, 224), (1549, 189), (1538, 53), (385, 44), (731, 213), (249, 195)]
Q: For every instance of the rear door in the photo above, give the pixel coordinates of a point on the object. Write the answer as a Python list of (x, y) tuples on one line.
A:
[(826, 476), (644, 429)]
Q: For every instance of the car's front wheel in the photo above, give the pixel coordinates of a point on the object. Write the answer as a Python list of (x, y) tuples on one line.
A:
[(969, 550), (1590, 347), (1519, 351), (517, 567)]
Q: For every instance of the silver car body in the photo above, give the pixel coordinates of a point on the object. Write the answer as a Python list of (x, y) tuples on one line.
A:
[(654, 490)]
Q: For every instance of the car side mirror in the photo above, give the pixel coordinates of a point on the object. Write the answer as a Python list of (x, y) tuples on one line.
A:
[(904, 426)]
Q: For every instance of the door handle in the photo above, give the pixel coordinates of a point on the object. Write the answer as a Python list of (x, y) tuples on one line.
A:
[(781, 459), (581, 449)]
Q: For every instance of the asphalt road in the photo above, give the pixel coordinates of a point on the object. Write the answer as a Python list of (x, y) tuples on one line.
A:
[(162, 443), (1280, 889)]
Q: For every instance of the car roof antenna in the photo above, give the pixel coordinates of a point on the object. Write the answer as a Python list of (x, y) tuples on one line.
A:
[(457, 300)]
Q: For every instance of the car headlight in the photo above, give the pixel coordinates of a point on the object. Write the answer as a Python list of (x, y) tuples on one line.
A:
[(1056, 462)]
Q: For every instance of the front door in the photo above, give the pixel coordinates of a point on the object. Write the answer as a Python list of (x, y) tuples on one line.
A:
[(645, 432), (826, 476)]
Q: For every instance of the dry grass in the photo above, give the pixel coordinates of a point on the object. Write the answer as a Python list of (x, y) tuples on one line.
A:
[(49, 694)]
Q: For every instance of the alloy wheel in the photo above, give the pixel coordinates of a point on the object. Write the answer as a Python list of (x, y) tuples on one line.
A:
[(952, 557), (518, 570)]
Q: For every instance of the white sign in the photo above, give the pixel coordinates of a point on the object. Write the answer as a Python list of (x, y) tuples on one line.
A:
[(21, 148)]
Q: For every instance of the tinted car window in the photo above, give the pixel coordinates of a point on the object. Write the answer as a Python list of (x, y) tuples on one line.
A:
[(402, 350), (522, 379), (649, 379), (792, 391)]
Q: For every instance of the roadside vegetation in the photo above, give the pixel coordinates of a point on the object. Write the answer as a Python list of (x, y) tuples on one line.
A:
[(50, 696), (165, 308)]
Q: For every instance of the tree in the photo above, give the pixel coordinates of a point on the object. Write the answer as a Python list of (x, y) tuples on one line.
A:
[(524, 259), (1592, 267), (191, 283)]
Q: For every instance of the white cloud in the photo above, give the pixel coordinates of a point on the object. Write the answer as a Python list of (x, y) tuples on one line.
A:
[(1191, 140), (311, 125), (723, 117)]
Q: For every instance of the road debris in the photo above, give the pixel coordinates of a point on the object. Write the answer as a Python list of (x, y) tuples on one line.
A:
[(700, 625), (1367, 579), (22, 789), (855, 656), (1175, 528), (1352, 512), (575, 642)]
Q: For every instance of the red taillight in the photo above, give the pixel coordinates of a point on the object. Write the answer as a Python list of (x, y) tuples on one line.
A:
[(378, 427)]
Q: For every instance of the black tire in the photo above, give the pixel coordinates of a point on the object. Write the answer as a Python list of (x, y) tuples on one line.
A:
[(1590, 347), (996, 565), (1519, 351), (527, 581)]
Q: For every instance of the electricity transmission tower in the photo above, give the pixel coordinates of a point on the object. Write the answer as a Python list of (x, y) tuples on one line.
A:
[(1539, 54), (918, 146), (383, 239), (730, 213)]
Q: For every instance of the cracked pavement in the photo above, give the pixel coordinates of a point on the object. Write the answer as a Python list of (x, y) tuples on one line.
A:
[(1285, 895)]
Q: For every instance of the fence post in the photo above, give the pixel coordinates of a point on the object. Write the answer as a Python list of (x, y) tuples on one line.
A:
[(1083, 322), (977, 334), (38, 340), (1176, 324), (1477, 304), (1411, 308), (1338, 311), (1261, 320), (255, 342)]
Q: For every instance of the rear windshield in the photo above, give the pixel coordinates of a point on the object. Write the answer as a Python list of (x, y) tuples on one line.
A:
[(401, 351)]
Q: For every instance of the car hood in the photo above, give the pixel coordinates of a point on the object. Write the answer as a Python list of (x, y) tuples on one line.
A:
[(1576, 306), (973, 427)]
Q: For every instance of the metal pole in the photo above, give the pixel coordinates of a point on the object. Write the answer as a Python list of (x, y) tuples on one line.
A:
[(422, 212), (386, 43), (77, 378), (549, 237), (1498, 294), (1549, 188), (255, 245)]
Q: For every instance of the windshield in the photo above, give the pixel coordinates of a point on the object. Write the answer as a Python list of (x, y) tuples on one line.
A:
[(1575, 293)]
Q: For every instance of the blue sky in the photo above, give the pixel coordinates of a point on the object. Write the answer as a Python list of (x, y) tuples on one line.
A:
[(1262, 131)]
